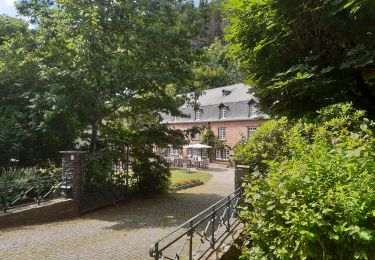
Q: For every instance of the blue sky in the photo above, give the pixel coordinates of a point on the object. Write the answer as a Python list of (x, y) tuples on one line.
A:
[(7, 7)]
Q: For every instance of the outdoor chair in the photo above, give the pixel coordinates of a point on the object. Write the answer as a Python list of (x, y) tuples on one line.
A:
[(189, 163)]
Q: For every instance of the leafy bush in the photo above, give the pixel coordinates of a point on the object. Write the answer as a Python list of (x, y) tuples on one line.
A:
[(185, 182), (151, 171), (265, 144), (317, 200), (17, 181), (100, 172)]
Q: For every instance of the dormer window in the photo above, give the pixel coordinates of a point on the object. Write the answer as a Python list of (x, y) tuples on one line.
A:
[(252, 108), (198, 113), (223, 112)]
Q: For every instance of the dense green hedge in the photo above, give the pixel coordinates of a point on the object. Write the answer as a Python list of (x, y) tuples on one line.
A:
[(315, 195)]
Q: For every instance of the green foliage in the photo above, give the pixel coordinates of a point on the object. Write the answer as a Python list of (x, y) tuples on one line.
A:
[(9, 27), (208, 137), (301, 56), (185, 182), (100, 171), (15, 182), (214, 68), (267, 143), (151, 171), (100, 65), (33, 129), (316, 199)]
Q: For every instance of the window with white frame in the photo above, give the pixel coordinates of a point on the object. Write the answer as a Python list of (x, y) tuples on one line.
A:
[(250, 131), (221, 133), (222, 154), (197, 136), (198, 114), (252, 108), (190, 152), (204, 153), (223, 112)]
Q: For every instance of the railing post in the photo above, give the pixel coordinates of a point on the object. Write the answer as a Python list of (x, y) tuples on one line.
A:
[(156, 251), (38, 188), (65, 175), (213, 228), (228, 218), (191, 234), (5, 197), (127, 169)]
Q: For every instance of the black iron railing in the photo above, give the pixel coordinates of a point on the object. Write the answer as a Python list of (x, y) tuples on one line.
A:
[(34, 190), (201, 234)]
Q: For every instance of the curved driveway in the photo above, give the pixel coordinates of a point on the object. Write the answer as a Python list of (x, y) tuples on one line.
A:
[(124, 231)]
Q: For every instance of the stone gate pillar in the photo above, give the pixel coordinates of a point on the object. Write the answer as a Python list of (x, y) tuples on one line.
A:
[(239, 174), (72, 167)]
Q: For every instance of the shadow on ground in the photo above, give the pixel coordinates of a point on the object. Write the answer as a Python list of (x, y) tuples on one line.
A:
[(162, 211)]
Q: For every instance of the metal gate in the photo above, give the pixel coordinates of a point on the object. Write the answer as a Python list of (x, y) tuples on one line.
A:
[(113, 184)]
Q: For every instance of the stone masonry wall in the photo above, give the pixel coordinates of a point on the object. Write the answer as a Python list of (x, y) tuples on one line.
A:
[(50, 211)]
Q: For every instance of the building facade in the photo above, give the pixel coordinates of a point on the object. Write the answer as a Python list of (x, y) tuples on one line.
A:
[(230, 112)]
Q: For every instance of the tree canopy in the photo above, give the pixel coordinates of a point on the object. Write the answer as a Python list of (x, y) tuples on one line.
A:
[(303, 55), (214, 68), (103, 60)]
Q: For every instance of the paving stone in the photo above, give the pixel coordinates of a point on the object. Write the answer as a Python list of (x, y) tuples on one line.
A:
[(124, 231)]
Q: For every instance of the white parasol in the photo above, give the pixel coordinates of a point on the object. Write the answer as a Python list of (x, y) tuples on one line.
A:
[(198, 146)]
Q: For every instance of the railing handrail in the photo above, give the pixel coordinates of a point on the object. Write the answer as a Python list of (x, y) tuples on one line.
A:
[(201, 213), (191, 224), (33, 189)]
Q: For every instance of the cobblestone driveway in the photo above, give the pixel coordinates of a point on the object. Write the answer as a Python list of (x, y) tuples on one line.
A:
[(124, 231)]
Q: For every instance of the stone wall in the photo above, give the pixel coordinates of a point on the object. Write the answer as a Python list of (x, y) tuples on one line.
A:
[(72, 163), (57, 209)]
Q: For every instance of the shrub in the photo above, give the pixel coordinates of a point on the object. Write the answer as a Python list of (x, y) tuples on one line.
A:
[(185, 182), (265, 144), (317, 201), (14, 182), (151, 172), (99, 169)]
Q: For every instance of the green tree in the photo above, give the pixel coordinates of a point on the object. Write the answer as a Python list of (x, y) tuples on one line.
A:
[(214, 68), (31, 131), (104, 60), (303, 55), (208, 137)]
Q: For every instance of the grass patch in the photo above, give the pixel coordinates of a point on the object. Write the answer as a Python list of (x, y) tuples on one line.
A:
[(181, 175)]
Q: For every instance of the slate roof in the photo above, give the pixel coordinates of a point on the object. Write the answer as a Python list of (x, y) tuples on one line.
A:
[(235, 97)]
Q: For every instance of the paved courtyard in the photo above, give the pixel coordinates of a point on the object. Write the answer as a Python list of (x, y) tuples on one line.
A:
[(124, 231)]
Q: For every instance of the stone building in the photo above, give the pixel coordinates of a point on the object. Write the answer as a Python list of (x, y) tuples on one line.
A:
[(230, 112)]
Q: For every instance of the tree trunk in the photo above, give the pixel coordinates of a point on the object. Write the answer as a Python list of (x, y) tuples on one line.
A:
[(94, 136)]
